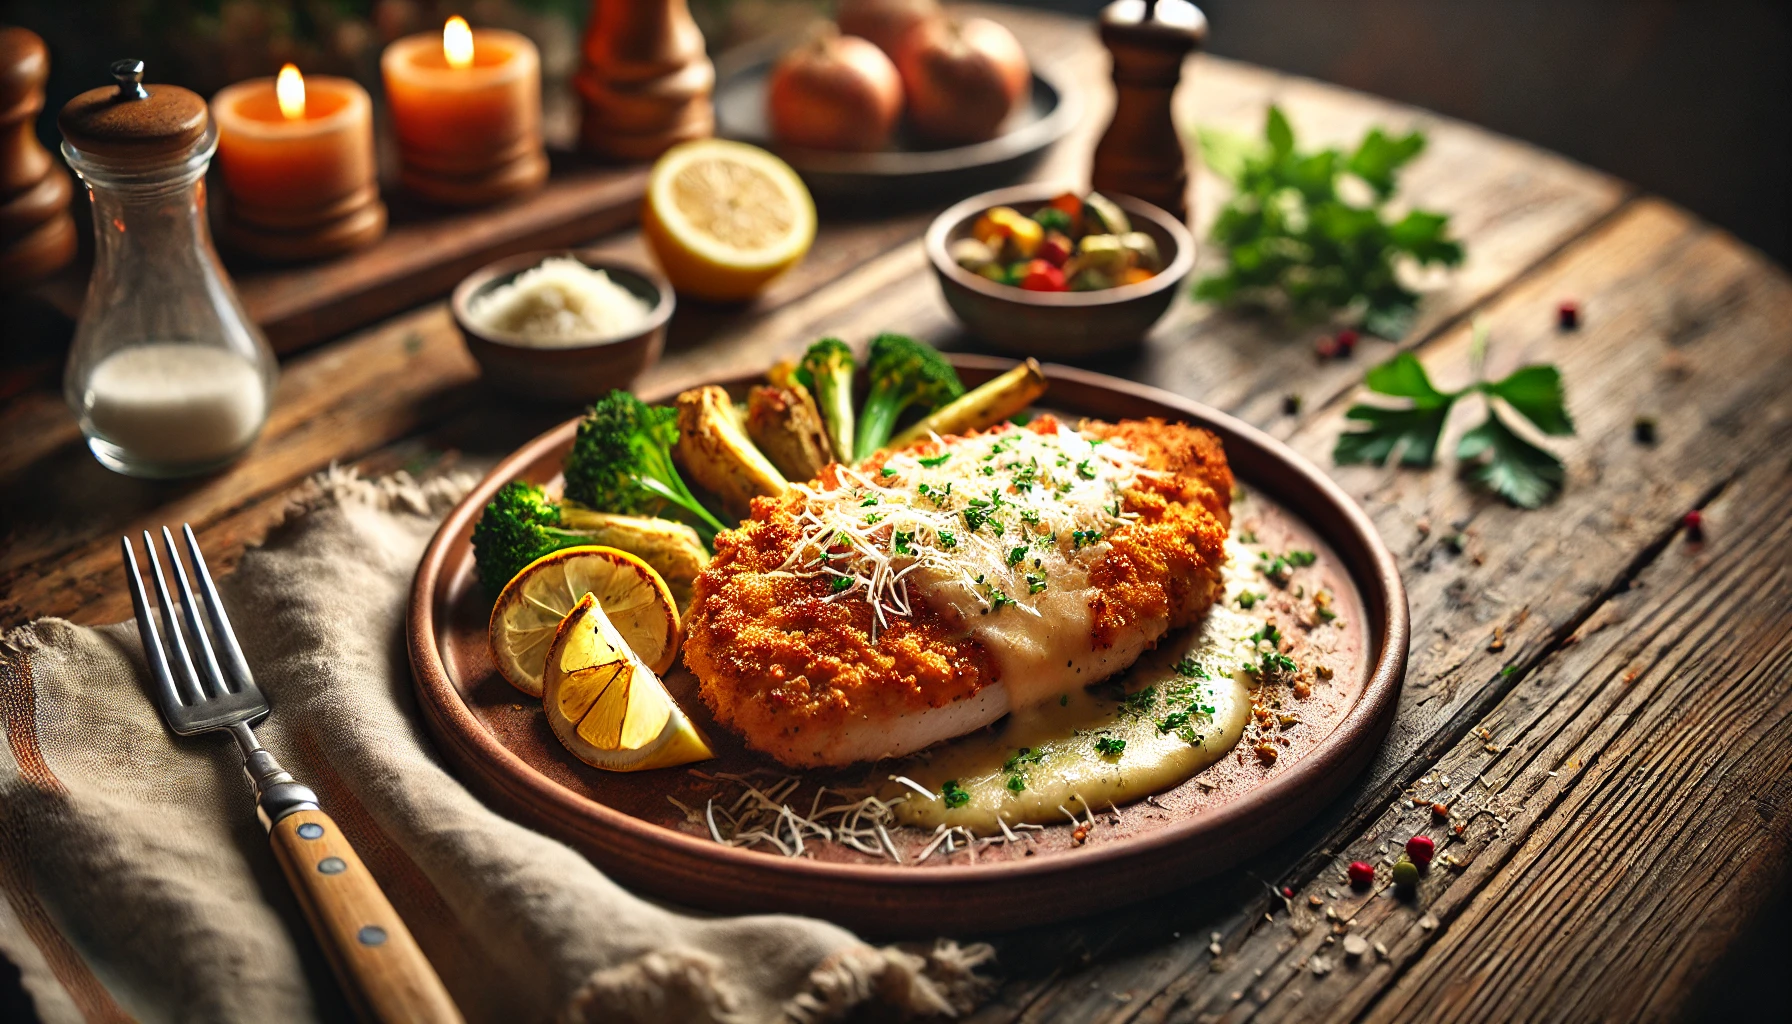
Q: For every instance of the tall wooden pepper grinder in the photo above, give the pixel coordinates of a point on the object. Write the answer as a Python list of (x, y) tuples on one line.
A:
[(37, 235), (645, 79), (1141, 155)]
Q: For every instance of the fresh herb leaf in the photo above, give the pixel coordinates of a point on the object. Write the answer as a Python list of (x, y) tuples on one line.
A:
[(841, 584), (1535, 392), (1515, 469), (1017, 783), (954, 794), (1108, 746), (1500, 458), (932, 461), (1294, 242)]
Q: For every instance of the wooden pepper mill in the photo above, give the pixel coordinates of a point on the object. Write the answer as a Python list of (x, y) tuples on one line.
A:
[(645, 79), (1141, 155), (37, 235)]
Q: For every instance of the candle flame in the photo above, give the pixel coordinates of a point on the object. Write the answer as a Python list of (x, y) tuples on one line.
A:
[(289, 89), (457, 43)]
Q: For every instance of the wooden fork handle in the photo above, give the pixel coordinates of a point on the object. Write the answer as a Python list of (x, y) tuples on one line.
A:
[(376, 959)]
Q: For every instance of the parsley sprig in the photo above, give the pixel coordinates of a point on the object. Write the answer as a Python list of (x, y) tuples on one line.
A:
[(1293, 241), (1496, 455)]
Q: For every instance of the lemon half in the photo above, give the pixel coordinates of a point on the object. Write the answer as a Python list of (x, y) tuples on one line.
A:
[(608, 708), (724, 218), (633, 597)]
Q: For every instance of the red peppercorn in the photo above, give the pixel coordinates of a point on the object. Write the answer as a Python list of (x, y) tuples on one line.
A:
[(1288, 892), (1694, 522), (1568, 315), (1346, 342), (1326, 347), (1041, 276), (1361, 873), (1421, 849)]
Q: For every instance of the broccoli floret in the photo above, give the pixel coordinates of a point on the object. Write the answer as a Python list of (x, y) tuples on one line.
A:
[(519, 526), (621, 462), (826, 370), (903, 372)]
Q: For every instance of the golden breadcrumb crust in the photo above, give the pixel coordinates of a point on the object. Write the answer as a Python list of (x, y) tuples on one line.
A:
[(773, 658)]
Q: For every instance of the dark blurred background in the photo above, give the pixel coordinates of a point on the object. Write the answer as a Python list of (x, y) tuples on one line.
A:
[(1690, 100)]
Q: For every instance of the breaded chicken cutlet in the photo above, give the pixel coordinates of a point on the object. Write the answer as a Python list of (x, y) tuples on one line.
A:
[(923, 594)]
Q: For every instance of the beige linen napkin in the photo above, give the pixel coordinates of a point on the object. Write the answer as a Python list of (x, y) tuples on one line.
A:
[(137, 882)]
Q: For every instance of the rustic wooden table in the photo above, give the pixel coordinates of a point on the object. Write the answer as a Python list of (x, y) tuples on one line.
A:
[(1604, 705)]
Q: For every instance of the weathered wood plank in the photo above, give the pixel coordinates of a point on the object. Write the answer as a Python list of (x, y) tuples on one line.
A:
[(1535, 576), (1643, 776)]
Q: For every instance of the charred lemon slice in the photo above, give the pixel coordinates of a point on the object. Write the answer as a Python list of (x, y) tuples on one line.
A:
[(633, 597), (608, 708)]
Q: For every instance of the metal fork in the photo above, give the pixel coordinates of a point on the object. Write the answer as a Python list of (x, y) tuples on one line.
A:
[(202, 684)]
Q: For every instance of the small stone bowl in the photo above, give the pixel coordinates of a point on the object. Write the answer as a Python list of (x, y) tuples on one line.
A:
[(1058, 325), (568, 374)]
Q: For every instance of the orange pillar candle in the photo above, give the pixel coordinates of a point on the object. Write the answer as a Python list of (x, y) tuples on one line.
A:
[(297, 159), (466, 107)]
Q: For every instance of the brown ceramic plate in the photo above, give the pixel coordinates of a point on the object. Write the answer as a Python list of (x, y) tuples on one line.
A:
[(625, 823)]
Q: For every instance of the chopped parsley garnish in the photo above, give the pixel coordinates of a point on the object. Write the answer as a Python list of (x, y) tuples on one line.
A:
[(1108, 746), (887, 471), (1141, 702), (1030, 515), (900, 542), (975, 517), (1267, 632), (1024, 756), (1247, 600), (1192, 669), (1301, 558), (930, 462), (1086, 469), (1079, 538), (842, 583), (1035, 582), (1017, 783), (1015, 555), (954, 794), (997, 600), (873, 518), (869, 501), (947, 539)]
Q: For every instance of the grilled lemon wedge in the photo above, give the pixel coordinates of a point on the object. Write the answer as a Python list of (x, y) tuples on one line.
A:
[(608, 708), (634, 598)]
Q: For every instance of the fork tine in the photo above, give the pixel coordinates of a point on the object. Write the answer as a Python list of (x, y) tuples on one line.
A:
[(147, 633), (207, 662), (236, 667), (186, 680)]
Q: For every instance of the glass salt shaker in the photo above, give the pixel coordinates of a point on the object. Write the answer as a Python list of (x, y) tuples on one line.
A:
[(167, 375)]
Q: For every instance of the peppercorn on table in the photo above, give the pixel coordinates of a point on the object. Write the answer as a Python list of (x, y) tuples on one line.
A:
[(1596, 722)]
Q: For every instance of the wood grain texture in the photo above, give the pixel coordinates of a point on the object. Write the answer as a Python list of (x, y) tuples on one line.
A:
[(377, 961)]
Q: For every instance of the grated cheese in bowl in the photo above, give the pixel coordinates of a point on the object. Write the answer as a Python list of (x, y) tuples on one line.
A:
[(560, 303)]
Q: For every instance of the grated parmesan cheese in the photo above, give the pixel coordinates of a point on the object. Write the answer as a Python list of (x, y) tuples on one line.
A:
[(990, 522), (558, 304)]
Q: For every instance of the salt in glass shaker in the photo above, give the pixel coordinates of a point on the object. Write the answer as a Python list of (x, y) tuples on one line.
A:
[(167, 375)]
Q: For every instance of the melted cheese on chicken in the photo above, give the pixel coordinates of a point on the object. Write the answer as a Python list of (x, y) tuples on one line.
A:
[(995, 533)]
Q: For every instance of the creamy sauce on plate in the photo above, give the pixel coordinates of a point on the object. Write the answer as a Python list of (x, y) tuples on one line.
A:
[(1180, 708)]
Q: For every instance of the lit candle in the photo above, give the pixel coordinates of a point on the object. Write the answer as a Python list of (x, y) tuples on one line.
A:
[(297, 159), (466, 107)]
